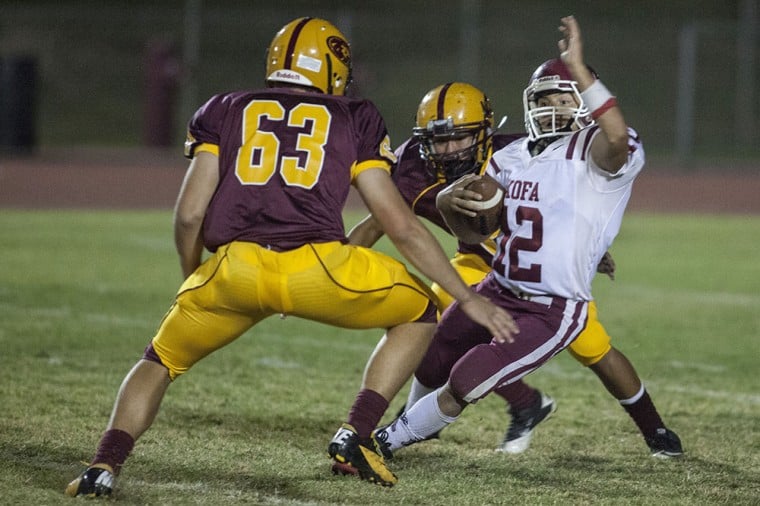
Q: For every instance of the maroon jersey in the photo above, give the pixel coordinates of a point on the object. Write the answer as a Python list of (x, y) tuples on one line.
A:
[(285, 163), (419, 186)]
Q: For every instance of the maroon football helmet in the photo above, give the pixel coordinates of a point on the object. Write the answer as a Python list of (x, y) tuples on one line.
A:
[(552, 77)]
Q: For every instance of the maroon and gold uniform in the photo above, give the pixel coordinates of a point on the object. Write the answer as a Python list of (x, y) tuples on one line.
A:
[(286, 162), (274, 224), (264, 192)]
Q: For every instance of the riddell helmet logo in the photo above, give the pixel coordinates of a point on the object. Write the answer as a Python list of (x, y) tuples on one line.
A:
[(340, 49), (284, 74), (548, 78)]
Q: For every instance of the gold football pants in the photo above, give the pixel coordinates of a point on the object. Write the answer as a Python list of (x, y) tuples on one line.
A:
[(243, 283)]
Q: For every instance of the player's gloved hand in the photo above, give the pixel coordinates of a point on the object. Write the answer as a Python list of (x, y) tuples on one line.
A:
[(607, 265)]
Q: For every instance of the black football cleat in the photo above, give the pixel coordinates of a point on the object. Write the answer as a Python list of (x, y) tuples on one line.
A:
[(520, 431), (364, 458), (665, 444), (93, 482)]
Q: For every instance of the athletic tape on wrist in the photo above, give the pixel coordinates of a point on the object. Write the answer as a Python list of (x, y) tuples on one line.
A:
[(598, 99)]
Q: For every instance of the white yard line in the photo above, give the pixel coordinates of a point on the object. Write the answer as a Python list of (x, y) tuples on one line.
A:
[(708, 297)]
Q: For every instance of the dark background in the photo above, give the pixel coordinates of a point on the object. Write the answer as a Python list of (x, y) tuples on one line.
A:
[(127, 74)]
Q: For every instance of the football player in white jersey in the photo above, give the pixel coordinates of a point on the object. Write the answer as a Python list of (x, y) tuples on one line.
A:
[(455, 135), (566, 188)]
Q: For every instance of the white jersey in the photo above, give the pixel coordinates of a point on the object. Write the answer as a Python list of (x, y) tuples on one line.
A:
[(562, 213)]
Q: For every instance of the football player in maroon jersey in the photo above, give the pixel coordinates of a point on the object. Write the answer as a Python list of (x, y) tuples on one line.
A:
[(269, 175)]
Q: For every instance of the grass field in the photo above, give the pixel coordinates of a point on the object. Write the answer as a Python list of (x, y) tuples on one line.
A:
[(82, 292)]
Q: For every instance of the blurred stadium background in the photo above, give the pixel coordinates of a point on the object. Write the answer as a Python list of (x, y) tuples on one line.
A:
[(130, 73)]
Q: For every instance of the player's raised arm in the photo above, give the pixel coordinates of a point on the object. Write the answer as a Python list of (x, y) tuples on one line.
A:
[(610, 149)]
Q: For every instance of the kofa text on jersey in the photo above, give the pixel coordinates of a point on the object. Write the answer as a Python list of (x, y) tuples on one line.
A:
[(523, 190)]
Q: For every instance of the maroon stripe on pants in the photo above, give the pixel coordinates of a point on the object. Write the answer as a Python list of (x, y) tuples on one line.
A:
[(464, 354)]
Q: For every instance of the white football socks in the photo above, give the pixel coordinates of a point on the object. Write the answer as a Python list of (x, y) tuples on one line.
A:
[(421, 421), (416, 392)]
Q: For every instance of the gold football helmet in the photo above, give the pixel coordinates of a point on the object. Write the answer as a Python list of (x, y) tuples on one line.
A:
[(455, 111), (310, 52)]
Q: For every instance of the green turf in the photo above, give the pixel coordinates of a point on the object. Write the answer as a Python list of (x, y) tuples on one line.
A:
[(81, 293)]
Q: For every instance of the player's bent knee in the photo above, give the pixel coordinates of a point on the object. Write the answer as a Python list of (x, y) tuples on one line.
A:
[(468, 377), (589, 360), (430, 315), (150, 354), (431, 372), (591, 345)]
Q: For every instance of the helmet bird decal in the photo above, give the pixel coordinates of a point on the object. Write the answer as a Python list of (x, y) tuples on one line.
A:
[(310, 52)]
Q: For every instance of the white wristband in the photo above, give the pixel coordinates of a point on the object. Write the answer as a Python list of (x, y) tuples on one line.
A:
[(598, 99)]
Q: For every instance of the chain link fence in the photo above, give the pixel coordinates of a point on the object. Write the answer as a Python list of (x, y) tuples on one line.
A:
[(102, 67)]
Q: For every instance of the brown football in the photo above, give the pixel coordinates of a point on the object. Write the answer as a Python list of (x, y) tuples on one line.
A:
[(488, 218)]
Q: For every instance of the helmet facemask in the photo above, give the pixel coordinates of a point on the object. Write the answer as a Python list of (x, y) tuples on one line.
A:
[(553, 121), (452, 165), (553, 118), (452, 112)]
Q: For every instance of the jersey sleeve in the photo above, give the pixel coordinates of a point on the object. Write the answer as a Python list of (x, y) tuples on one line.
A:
[(636, 159), (399, 168), (374, 148), (205, 126)]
